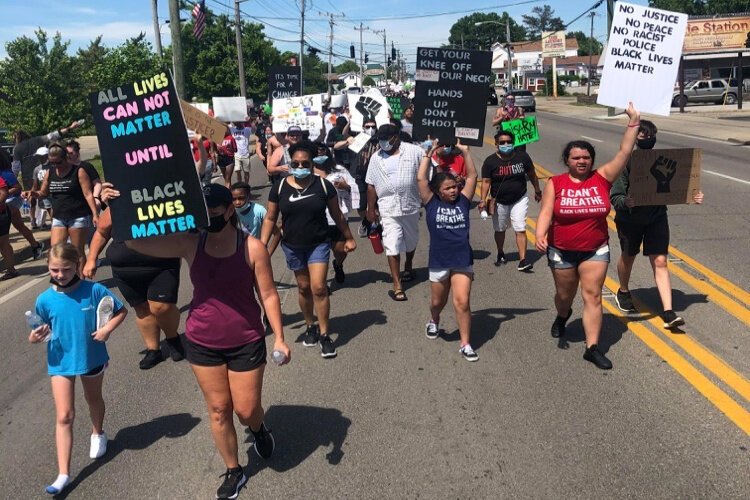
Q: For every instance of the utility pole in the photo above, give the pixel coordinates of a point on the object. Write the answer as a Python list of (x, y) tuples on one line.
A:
[(175, 28), (331, 23), (157, 31), (302, 46), (361, 29), (385, 56), (592, 14), (238, 36), (510, 54)]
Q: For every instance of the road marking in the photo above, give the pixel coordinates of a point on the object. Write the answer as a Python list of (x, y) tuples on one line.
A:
[(5, 298), (591, 138), (735, 179)]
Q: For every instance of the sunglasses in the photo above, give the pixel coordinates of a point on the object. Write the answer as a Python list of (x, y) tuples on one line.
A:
[(500, 143), (56, 162), (370, 127), (301, 164)]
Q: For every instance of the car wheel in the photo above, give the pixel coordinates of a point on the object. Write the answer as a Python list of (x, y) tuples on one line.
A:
[(677, 99), (731, 99)]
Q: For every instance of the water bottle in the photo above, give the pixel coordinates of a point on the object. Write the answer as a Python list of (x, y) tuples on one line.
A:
[(376, 238), (104, 311), (484, 215), (25, 208), (278, 357), (34, 321)]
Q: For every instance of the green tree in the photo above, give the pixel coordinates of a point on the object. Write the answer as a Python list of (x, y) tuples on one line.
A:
[(465, 33), (128, 62), (586, 45), (701, 7), (347, 67), (368, 81), (313, 73), (542, 19)]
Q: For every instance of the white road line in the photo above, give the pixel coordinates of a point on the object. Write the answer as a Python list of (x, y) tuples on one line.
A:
[(727, 177), (591, 138), (5, 298)]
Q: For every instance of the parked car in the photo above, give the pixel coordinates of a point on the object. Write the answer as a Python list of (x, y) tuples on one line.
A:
[(717, 90), (524, 99), (492, 97)]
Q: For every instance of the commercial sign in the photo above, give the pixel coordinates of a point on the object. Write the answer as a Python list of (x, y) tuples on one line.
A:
[(553, 44), (720, 33)]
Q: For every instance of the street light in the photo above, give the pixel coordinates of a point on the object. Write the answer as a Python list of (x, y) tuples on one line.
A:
[(507, 46)]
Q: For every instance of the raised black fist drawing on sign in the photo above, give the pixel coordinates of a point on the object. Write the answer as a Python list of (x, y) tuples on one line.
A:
[(663, 171), (369, 108)]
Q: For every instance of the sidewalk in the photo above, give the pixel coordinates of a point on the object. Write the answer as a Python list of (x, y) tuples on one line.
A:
[(21, 247), (722, 123)]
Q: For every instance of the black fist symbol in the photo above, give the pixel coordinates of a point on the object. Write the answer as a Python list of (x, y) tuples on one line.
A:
[(663, 171), (369, 108)]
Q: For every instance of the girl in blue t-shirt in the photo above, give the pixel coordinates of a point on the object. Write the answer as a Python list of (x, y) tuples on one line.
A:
[(450, 258), (74, 313)]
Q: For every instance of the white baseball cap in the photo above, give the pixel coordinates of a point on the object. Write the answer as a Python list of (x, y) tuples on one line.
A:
[(42, 151)]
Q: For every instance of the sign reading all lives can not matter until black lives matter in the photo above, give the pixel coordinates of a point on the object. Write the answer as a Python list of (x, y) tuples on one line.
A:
[(146, 155), (450, 100), (642, 58)]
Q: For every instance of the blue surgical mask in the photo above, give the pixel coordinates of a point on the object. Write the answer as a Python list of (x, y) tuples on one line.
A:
[(447, 150), (300, 173), (426, 145), (268, 136), (320, 160), (505, 149), (385, 145)]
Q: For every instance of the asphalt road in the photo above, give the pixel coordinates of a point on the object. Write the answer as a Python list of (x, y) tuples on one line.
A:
[(396, 415)]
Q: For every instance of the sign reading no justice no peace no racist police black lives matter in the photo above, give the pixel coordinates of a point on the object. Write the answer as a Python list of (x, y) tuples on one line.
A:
[(450, 98), (146, 155)]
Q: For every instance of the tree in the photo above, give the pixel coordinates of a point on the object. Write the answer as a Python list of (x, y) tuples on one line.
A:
[(586, 45), (464, 32), (542, 19), (126, 63), (368, 81), (347, 67)]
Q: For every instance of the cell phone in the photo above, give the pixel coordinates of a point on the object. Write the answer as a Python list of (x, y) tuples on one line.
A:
[(80, 122)]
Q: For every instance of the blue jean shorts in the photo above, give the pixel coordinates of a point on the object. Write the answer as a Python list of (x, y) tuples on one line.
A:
[(567, 259), (298, 258), (75, 223)]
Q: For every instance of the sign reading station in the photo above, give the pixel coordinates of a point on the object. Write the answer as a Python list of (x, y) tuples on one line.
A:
[(146, 155), (451, 94)]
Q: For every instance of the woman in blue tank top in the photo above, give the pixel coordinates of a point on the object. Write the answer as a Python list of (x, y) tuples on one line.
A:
[(450, 257)]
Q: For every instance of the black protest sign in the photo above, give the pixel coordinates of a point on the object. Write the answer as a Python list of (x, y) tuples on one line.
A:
[(398, 105), (450, 98), (146, 155), (284, 81)]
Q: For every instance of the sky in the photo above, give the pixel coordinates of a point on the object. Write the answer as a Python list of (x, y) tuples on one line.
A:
[(83, 20)]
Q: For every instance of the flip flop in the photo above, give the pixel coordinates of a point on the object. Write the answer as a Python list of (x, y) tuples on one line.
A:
[(397, 295), (407, 276)]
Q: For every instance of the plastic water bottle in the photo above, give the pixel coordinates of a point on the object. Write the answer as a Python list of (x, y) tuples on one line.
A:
[(25, 208), (484, 215), (34, 321), (278, 357), (104, 311)]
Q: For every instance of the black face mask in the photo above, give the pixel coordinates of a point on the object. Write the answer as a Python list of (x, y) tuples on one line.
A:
[(647, 143), (216, 223), (72, 282)]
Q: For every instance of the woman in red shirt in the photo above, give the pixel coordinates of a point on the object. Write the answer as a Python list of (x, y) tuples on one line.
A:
[(572, 231)]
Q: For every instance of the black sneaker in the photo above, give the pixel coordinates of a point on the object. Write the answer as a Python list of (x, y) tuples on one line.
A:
[(264, 443), (38, 250), (151, 359), (338, 272), (234, 480), (363, 231), (671, 320), (525, 265), (558, 327), (326, 347), (311, 336), (594, 355), (501, 259), (624, 301), (176, 349)]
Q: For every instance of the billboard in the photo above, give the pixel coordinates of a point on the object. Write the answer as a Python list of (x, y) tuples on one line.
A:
[(716, 34), (553, 44)]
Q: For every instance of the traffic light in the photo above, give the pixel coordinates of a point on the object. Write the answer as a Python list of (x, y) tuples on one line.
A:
[(389, 60), (393, 52), (351, 52), (367, 58)]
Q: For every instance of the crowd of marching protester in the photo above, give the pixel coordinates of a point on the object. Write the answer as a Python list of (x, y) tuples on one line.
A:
[(317, 183)]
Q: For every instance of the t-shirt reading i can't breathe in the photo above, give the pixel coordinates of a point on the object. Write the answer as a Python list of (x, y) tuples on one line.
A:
[(507, 176), (448, 224), (304, 211), (580, 213)]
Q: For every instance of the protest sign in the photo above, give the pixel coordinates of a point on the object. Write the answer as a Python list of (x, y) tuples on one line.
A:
[(450, 99), (359, 142), (398, 105), (284, 81), (643, 55), (338, 101), (303, 111), (664, 176), (203, 106), (200, 122), (230, 109), (146, 155), (524, 130), (371, 105)]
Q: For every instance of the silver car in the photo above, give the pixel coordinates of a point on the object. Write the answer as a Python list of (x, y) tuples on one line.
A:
[(524, 99), (718, 90)]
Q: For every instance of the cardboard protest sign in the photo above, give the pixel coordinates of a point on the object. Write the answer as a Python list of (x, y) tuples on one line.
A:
[(146, 155), (664, 176), (302, 111), (643, 55), (398, 105), (524, 130), (359, 142), (370, 105), (450, 99), (284, 81), (230, 109), (200, 122)]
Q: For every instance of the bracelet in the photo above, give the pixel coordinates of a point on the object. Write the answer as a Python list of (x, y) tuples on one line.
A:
[(630, 125)]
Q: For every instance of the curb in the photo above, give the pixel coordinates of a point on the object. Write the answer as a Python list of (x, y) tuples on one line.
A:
[(25, 253), (739, 142)]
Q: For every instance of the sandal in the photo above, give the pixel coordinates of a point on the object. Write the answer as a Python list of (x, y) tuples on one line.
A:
[(407, 276), (397, 295)]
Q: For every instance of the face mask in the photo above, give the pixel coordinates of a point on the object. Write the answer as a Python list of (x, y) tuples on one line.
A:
[(245, 209), (216, 223), (75, 279), (268, 136), (300, 173), (426, 145), (505, 148), (370, 131), (647, 143), (510, 104), (447, 150), (319, 160), (385, 145)]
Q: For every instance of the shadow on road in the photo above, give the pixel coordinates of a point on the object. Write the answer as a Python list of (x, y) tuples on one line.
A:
[(349, 326), (137, 437), (298, 432), (612, 331), (361, 278), (485, 323)]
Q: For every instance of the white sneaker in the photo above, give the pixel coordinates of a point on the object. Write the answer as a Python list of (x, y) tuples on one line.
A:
[(98, 445), (468, 353), (431, 330)]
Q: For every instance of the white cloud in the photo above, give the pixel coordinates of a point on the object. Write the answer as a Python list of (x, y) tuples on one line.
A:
[(115, 31)]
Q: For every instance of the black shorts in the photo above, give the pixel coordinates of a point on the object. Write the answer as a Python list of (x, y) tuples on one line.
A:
[(335, 234), (653, 236), (5, 222), (244, 358), (140, 284), (223, 161)]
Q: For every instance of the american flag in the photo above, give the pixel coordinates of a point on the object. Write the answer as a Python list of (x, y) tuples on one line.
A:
[(199, 14)]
